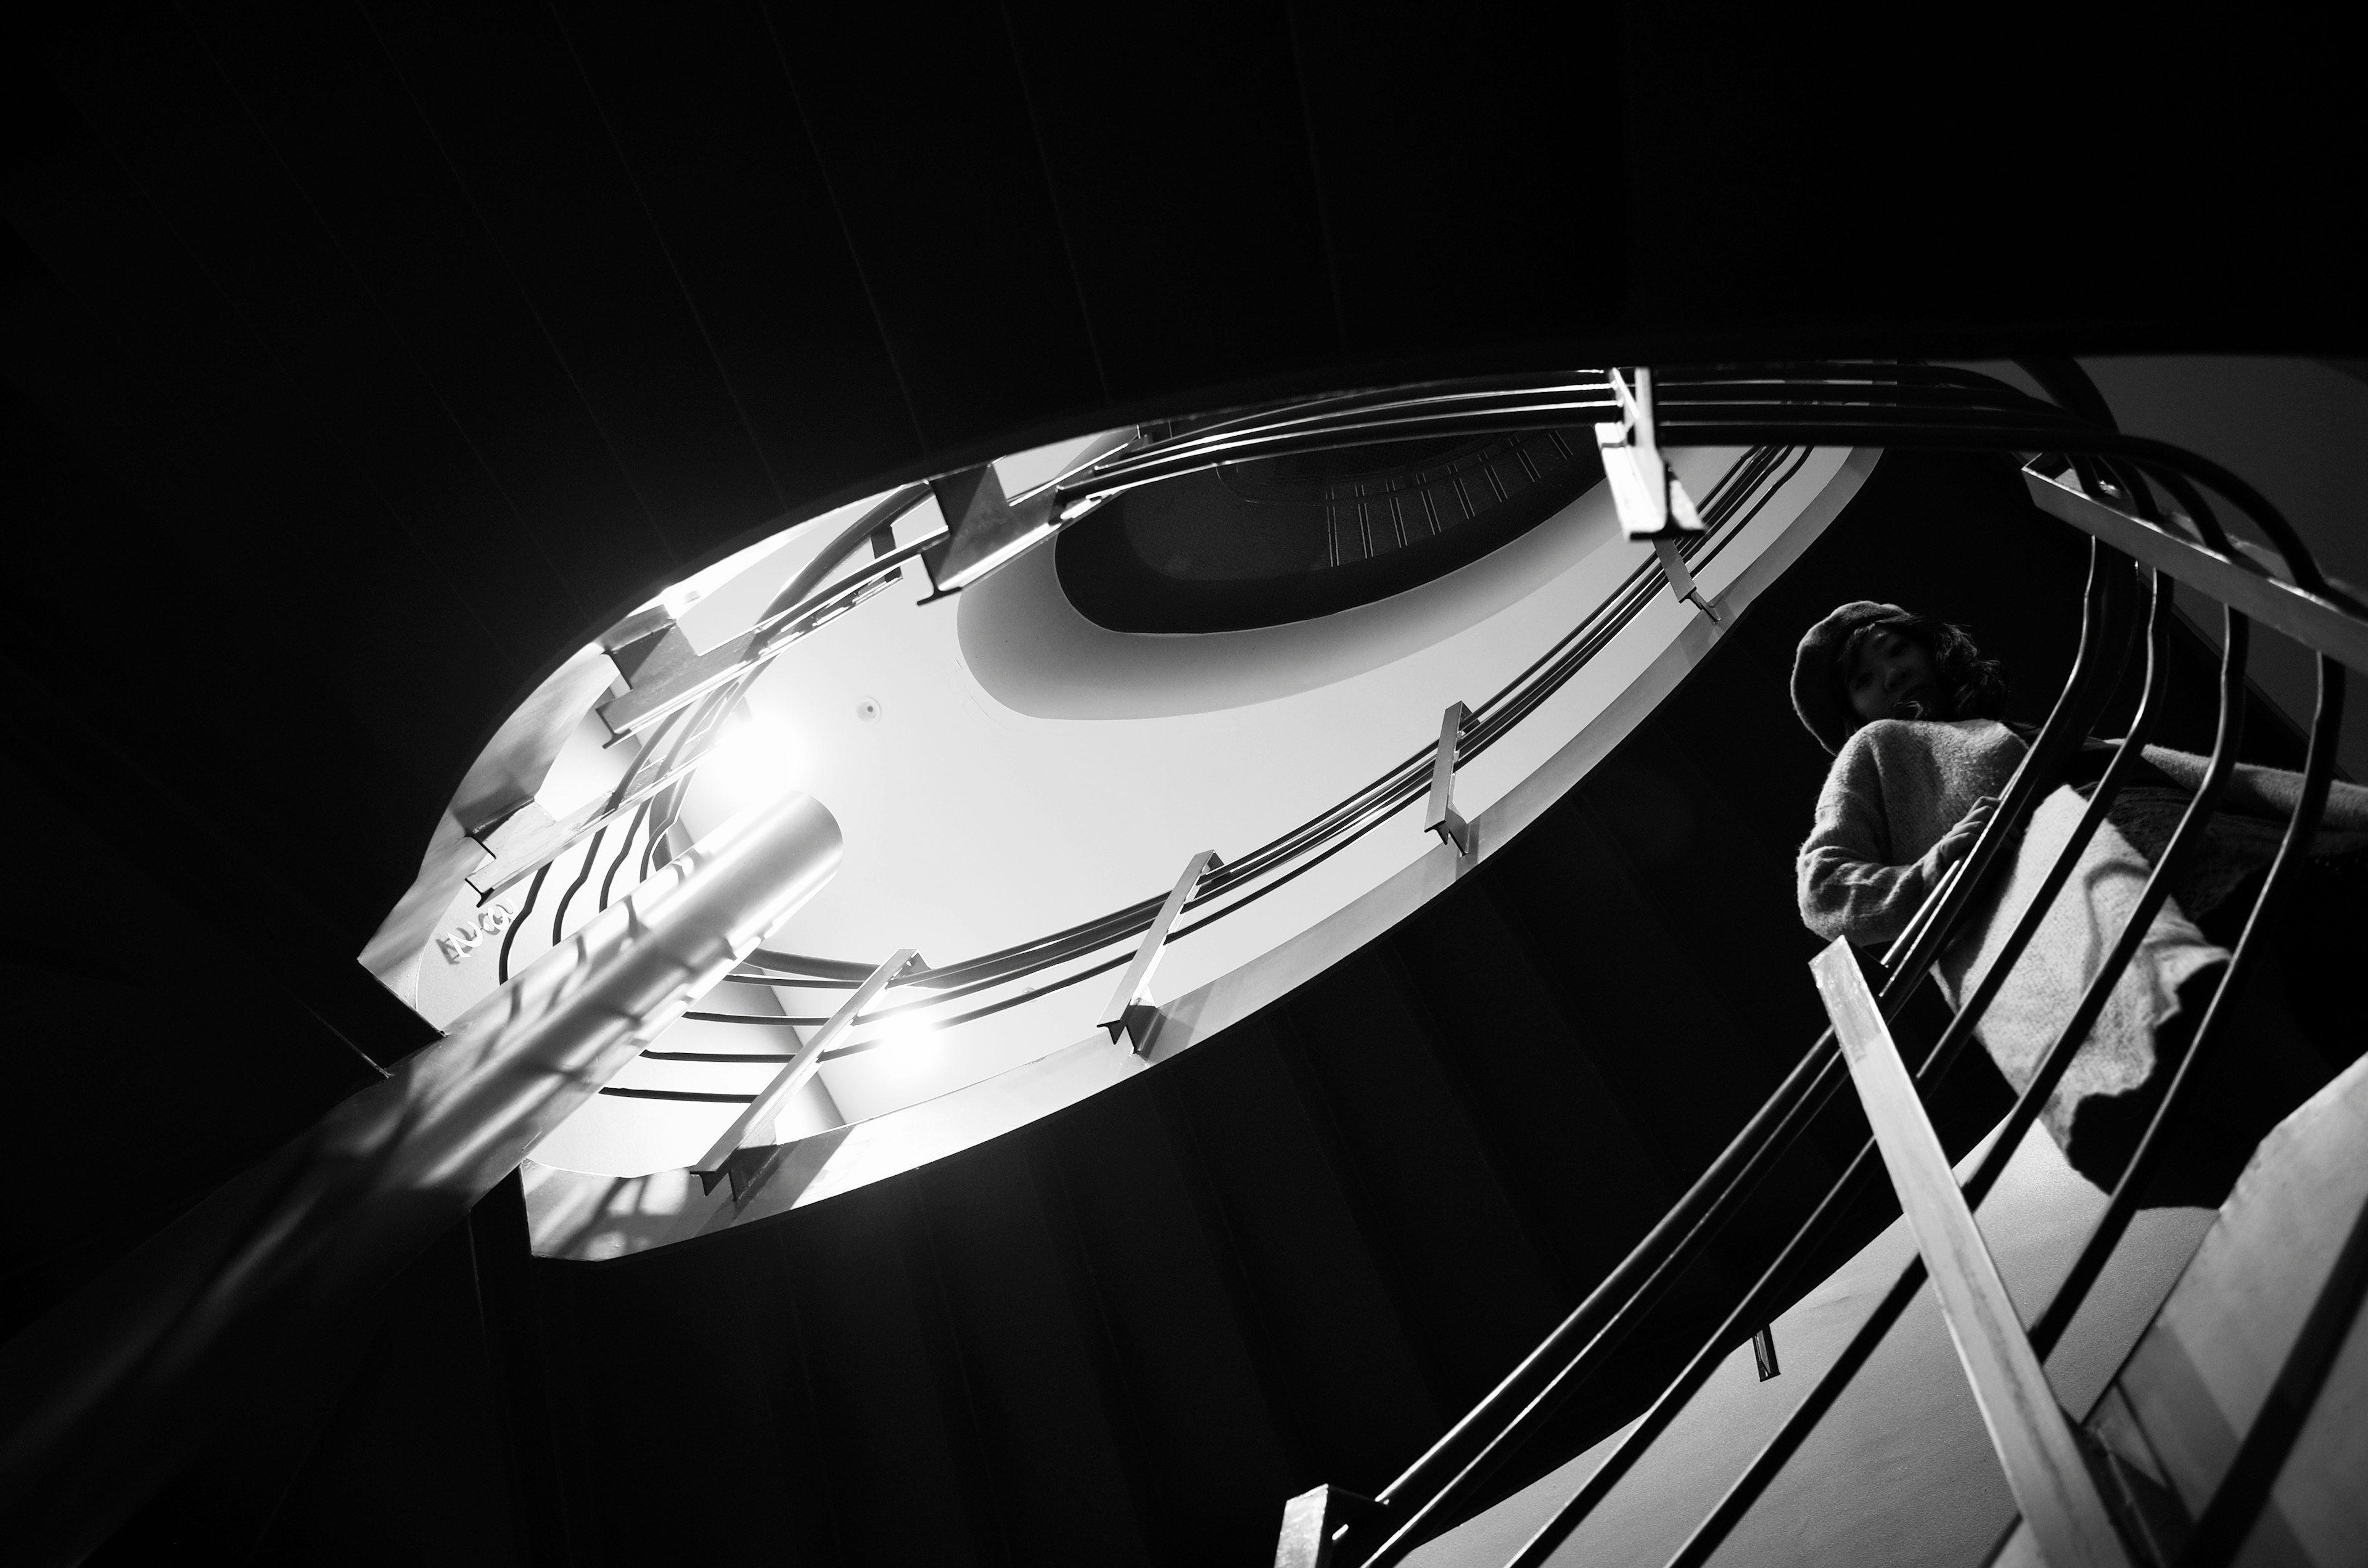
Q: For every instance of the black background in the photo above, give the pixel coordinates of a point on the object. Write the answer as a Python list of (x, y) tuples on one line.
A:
[(361, 363)]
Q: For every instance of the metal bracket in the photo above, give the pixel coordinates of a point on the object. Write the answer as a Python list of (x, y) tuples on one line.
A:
[(983, 530), (1681, 581), (1313, 1521), (1131, 1012), (1763, 1353), (1651, 502), (1441, 817), (754, 1126)]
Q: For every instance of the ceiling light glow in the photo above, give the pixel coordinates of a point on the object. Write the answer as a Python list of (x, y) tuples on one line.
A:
[(755, 761), (911, 1047)]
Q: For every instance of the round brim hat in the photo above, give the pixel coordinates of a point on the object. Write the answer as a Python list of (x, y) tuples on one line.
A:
[(1817, 696)]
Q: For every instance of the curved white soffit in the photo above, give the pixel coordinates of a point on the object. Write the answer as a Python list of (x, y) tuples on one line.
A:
[(596, 1218), (1033, 649)]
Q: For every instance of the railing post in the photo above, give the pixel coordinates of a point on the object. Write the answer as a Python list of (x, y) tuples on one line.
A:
[(1681, 580), (1652, 505), (1440, 815), (1763, 1353), (983, 530), (1130, 1011), (755, 1125), (1651, 502), (2061, 1508), (1311, 1520)]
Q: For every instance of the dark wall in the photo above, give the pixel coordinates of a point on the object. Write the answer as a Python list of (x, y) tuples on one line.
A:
[(1127, 1332), (359, 363)]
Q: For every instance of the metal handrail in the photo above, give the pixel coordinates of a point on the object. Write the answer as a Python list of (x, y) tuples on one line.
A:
[(2084, 694), (1891, 406), (1729, 508)]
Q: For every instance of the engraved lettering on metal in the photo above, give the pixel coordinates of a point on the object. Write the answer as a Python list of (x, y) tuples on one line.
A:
[(2044, 1470), (463, 940), (1130, 1006)]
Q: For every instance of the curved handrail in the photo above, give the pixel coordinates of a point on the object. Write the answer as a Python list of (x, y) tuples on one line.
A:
[(1727, 507), (1908, 406)]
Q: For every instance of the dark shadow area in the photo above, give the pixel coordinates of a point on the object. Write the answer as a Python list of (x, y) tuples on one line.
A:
[(1281, 540), (1294, 1254)]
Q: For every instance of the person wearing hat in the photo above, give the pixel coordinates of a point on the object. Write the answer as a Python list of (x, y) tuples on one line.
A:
[(1914, 716)]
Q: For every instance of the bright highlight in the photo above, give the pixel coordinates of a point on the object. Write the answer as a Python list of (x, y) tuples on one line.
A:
[(754, 762), (912, 1047)]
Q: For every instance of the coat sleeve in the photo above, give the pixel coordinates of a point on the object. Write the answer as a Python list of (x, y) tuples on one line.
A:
[(2265, 792), (1846, 883)]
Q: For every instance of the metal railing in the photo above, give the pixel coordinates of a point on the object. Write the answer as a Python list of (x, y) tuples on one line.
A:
[(2141, 502), (1023, 973)]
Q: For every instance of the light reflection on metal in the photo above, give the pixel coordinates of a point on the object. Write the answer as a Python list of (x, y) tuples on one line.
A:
[(755, 1126), (1681, 581), (1651, 502), (661, 688), (2316, 620), (255, 1281), (2044, 1469), (1130, 1009), (983, 528), (1440, 815)]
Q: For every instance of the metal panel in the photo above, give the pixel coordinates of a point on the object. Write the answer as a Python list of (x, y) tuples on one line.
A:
[(301, 1247), (2043, 1463), (2318, 623)]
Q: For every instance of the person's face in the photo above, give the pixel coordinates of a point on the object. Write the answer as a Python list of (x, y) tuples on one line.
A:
[(1887, 672)]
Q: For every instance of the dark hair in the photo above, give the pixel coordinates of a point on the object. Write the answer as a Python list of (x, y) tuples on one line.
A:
[(1974, 688)]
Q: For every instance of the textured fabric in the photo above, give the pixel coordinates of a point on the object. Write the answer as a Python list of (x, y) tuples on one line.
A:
[(1895, 791), (2040, 994), (1881, 842), (1817, 696)]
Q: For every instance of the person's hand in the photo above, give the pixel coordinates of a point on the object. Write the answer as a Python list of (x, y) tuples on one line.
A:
[(1958, 842)]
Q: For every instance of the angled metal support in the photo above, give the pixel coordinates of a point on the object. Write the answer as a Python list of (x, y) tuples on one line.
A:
[(1131, 1010), (1440, 815), (1651, 502), (2062, 1510), (754, 1126), (983, 530), (257, 1284), (1313, 1521), (1681, 581)]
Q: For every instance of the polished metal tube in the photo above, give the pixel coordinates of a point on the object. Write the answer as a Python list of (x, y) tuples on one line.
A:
[(265, 1286)]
